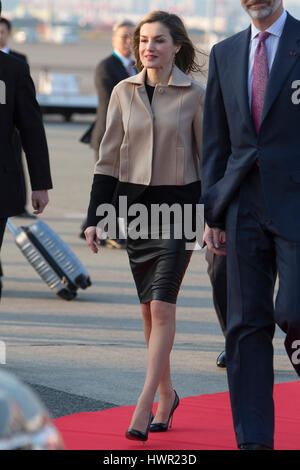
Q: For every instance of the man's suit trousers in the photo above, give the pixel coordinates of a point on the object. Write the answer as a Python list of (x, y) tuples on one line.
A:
[(216, 270), (255, 254)]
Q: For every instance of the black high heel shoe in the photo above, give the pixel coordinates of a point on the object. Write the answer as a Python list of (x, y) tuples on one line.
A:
[(162, 427), (135, 435)]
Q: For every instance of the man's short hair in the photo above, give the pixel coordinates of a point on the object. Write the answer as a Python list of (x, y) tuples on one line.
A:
[(6, 22), (122, 24)]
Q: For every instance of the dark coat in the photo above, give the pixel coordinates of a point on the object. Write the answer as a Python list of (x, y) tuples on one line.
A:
[(109, 73), (19, 109), (18, 55)]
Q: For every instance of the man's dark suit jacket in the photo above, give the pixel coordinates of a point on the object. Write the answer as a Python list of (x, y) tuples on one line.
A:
[(109, 73), (18, 56), (17, 140), (230, 143), (19, 109)]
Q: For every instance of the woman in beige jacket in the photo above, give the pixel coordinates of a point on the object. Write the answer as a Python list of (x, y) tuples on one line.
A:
[(151, 154)]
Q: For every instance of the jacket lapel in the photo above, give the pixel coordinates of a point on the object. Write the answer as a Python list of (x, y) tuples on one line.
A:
[(239, 65), (139, 80), (286, 57), (144, 98), (2, 55), (123, 73)]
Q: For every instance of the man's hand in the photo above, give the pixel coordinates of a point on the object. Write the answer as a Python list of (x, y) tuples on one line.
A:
[(39, 201), (92, 238), (215, 239)]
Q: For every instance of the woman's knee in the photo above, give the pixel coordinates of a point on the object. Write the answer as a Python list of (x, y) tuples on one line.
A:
[(146, 312), (162, 312)]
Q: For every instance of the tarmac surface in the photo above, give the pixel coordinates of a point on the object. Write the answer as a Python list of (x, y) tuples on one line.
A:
[(89, 354)]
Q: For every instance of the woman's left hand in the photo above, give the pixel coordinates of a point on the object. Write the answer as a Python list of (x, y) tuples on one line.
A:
[(92, 238)]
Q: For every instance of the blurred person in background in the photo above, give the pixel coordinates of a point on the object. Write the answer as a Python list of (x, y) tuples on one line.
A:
[(109, 72), (5, 34), (20, 110)]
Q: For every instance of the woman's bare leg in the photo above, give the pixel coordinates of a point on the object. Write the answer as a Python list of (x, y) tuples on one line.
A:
[(165, 387), (160, 335)]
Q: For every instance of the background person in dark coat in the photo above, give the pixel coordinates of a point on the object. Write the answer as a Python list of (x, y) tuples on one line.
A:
[(109, 72), (5, 33), (19, 109)]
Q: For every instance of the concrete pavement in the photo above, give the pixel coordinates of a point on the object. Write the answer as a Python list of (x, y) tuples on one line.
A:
[(90, 353)]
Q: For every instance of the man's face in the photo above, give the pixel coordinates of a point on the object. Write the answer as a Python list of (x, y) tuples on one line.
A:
[(260, 9), (122, 40), (4, 35)]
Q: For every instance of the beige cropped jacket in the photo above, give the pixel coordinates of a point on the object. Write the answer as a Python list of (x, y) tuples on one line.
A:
[(149, 145), (158, 144)]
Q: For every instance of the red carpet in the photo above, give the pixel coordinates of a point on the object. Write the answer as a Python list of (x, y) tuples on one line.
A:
[(200, 423)]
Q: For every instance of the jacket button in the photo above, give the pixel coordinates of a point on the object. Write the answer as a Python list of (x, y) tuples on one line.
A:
[(161, 91)]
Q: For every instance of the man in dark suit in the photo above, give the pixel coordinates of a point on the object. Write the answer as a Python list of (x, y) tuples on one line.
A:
[(5, 33), (251, 188), (109, 72), (19, 110)]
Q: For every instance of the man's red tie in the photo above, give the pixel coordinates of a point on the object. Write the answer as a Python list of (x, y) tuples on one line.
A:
[(260, 80)]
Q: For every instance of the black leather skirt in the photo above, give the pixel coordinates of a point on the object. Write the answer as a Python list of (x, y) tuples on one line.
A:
[(158, 267)]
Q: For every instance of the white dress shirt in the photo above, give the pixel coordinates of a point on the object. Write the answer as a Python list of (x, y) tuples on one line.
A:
[(5, 50), (271, 42)]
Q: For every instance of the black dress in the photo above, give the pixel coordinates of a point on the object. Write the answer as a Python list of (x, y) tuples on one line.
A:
[(158, 265)]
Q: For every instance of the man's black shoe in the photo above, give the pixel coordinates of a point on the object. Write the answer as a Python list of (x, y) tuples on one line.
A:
[(221, 360), (254, 447)]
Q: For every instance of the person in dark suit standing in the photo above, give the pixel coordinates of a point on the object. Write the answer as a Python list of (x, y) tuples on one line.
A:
[(20, 110), (5, 33), (109, 72), (251, 188)]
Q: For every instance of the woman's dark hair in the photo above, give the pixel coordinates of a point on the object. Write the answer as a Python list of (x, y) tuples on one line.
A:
[(186, 57)]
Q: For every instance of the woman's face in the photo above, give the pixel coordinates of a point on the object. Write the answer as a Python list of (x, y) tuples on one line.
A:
[(157, 50)]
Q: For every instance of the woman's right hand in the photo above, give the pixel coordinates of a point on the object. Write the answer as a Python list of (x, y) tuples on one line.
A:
[(92, 238)]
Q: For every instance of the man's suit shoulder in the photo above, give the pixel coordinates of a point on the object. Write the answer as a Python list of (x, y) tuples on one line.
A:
[(19, 56), (107, 63), (229, 42), (14, 65)]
